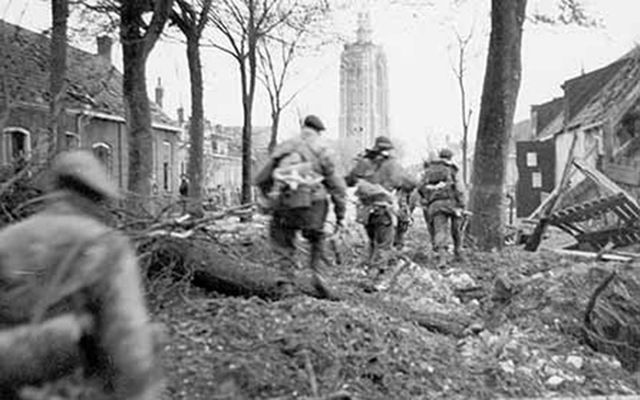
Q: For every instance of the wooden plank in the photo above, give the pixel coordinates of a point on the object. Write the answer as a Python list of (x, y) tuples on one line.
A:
[(621, 173), (590, 255), (615, 234), (631, 209), (603, 180), (585, 211)]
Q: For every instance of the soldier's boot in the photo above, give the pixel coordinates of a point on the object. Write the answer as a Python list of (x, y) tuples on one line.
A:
[(287, 263), (456, 236), (457, 254), (440, 258), (398, 240), (318, 282)]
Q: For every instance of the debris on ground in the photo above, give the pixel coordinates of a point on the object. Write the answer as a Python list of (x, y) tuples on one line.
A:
[(496, 325)]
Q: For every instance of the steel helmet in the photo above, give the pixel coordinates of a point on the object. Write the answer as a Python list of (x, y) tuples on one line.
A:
[(84, 168), (446, 154), (382, 143)]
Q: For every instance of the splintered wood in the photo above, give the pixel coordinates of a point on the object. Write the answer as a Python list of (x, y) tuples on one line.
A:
[(610, 221)]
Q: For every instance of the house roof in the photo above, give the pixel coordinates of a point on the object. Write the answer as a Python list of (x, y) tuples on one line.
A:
[(93, 82), (619, 93), (546, 113), (589, 98), (582, 89)]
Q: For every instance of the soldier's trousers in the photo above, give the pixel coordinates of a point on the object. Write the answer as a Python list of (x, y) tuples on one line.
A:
[(102, 281), (440, 225), (310, 221), (401, 230)]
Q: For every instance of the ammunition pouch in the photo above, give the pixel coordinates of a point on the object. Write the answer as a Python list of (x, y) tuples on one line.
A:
[(301, 197)]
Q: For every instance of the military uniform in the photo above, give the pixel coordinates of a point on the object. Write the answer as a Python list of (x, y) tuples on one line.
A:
[(442, 203), (309, 218), (385, 224), (65, 261)]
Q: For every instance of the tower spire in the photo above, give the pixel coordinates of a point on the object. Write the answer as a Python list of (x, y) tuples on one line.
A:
[(364, 27)]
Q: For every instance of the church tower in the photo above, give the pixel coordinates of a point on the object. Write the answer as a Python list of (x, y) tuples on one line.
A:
[(364, 93)]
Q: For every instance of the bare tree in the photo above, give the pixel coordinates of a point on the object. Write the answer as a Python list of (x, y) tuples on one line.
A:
[(278, 52), (242, 24), (138, 38), (459, 68), (57, 81), (192, 20)]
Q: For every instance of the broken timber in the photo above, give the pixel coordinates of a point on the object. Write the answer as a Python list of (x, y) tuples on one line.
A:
[(615, 202), (214, 271)]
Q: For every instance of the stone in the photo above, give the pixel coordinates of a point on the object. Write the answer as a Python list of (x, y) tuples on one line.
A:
[(554, 381), (575, 361), (462, 281), (507, 366)]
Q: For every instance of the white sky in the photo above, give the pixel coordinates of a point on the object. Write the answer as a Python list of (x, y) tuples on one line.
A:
[(424, 98)]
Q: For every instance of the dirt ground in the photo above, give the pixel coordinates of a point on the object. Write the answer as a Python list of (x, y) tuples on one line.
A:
[(524, 338)]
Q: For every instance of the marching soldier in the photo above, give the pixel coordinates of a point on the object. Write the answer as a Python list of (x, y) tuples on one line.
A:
[(443, 204), (70, 291), (297, 181), (386, 215)]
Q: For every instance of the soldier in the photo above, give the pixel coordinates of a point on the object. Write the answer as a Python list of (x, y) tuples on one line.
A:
[(379, 167), (296, 180), (184, 192), (442, 202), (63, 270)]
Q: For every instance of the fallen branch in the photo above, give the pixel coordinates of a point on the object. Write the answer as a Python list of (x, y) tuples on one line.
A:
[(588, 329)]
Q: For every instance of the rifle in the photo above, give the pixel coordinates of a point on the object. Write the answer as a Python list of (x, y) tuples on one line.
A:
[(465, 215)]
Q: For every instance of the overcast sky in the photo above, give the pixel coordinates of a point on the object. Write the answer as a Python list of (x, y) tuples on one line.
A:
[(424, 97)]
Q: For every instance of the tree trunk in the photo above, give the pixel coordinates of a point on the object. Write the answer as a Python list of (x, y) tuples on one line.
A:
[(465, 151), (247, 106), (227, 275), (275, 122), (138, 120), (499, 95), (249, 88), (196, 125), (58, 47)]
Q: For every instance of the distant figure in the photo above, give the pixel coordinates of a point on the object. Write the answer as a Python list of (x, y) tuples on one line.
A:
[(71, 292), (384, 188), (442, 204), (297, 179), (184, 192), (184, 186)]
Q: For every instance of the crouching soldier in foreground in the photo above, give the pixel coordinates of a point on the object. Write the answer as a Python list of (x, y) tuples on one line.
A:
[(442, 202), (297, 180), (70, 292), (383, 190)]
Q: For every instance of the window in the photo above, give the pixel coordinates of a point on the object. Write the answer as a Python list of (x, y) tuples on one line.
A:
[(532, 159), (166, 165), (16, 145), (536, 180), (102, 151)]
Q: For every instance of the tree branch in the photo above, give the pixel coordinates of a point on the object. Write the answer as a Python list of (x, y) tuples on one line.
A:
[(161, 11)]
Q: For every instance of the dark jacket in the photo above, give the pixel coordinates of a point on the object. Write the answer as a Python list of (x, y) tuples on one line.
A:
[(385, 171), (454, 198)]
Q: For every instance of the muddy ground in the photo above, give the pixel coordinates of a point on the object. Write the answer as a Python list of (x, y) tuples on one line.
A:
[(524, 314)]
